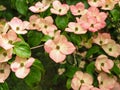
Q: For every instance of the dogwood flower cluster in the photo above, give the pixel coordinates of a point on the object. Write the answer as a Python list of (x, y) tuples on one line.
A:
[(59, 46), (8, 37)]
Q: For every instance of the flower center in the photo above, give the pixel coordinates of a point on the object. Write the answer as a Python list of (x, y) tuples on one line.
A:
[(1, 70), (60, 10), (110, 49), (33, 24), (78, 11), (45, 26), (4, 54), (57, 47), (10, 41), (101, 82), (102, 64), (22, 64), (92, 25), (101, 42), (82, 81), (17, 28), (76, 28)]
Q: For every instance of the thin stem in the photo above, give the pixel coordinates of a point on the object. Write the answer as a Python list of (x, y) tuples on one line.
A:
[(37, 47)]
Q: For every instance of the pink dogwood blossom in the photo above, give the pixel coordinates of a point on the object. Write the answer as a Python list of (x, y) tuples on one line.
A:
[(109, 4), (46, 25), (93, 20), (58, 8), (111, 48), (33, 23), (80, 79), (95, 3), (7, 40), (76, 28), (18, 25), (39, 7), (102, 38), (21, 66), (58, 48), (78, 9), (4, 72), (5, 55), (103, 63), (106, 82)]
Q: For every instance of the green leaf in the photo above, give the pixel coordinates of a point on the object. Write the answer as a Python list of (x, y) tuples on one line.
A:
[(92, 50), (45, 38), (34, 38), (75, 39), (4, 86), (90, 68), (70, 71), (22, 49), (71, 2), (38, 65), (21, 6), (116, 70), (61, 22), (115, 14), (34, 76), (68, 84)]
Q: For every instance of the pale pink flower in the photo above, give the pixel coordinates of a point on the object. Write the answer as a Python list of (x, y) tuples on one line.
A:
[(58, 48), (4, 72), (106, 82), (86, 87), (33, 23), (18, 25), (93, 20), (4, 28), (46, 25), (75, 28), (39, 7), (58, 8), (116, 86), (78, 9), (103, 63), (5, 55), (80, 79), (95, 88), (94, 12), (102, 38), (111, 48), (7, 40), (95, 3), (47, 2), (21, 66), (109, 4)]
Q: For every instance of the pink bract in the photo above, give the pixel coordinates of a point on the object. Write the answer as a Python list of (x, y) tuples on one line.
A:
[(78, 9), (21, 66), (4, 72), (7, 40), (111, 48), (80, 79), (39, 7), (18, 25), (58, 8), (76, 28), (5, 55), (102, 38), (95, 3), (58, 48), (103, 79), (103, 63)]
